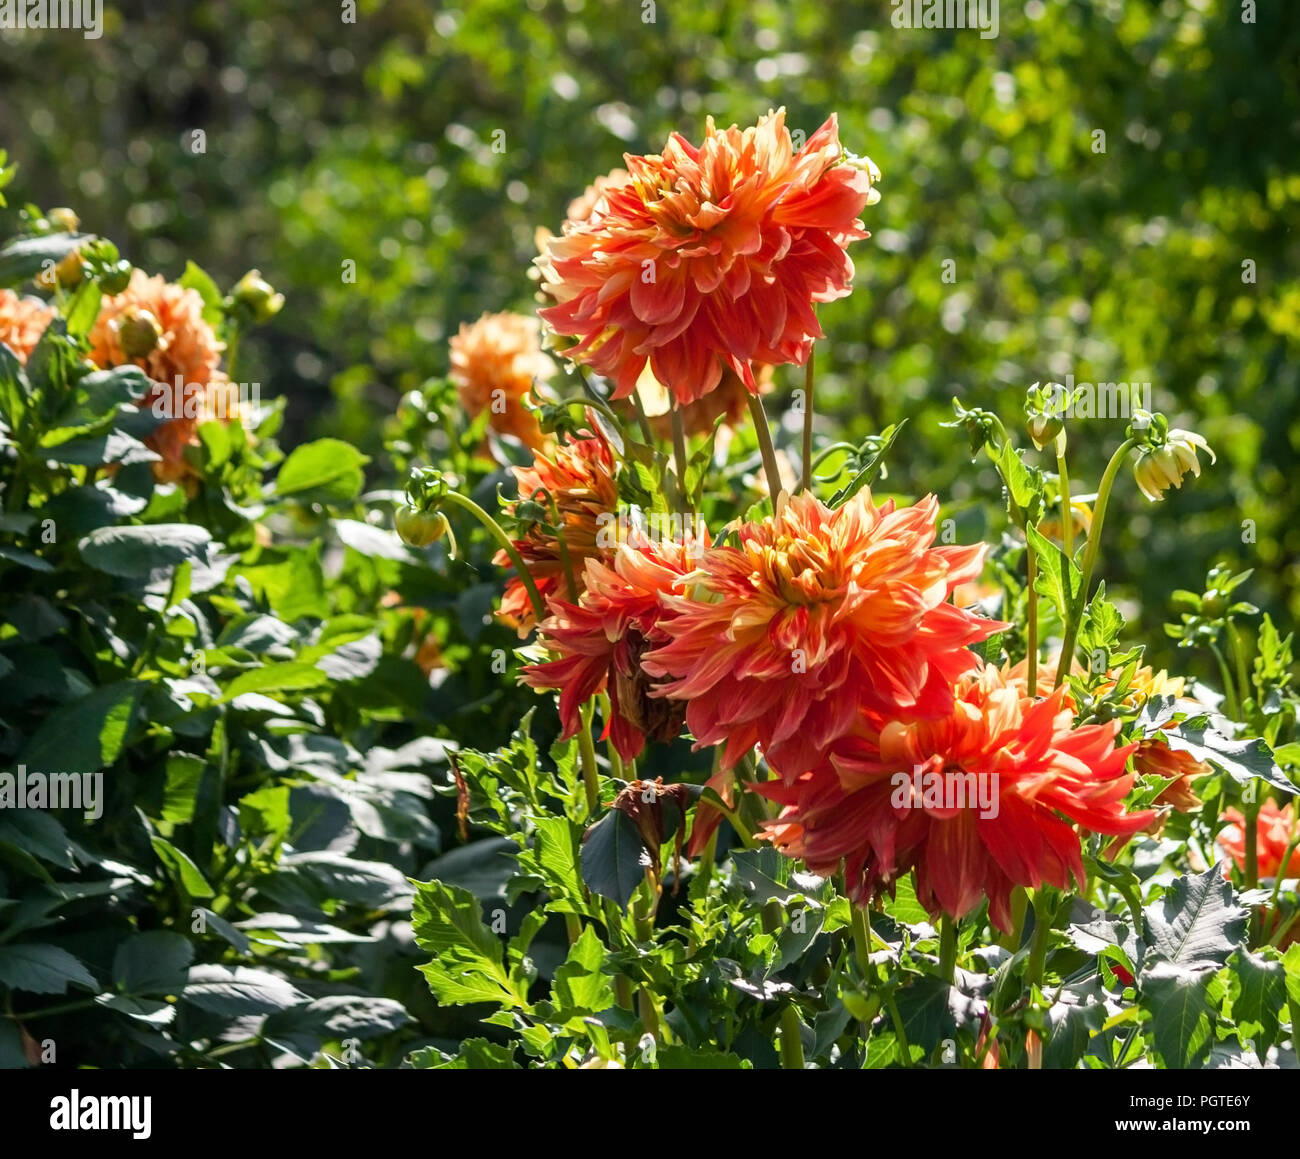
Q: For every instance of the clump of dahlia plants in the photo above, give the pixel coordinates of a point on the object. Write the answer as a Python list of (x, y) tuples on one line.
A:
[(809, 783)]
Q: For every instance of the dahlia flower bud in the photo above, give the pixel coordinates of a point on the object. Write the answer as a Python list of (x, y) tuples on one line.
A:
[(63, 220), (138, 332), (69, 272), (1160, 467), (420, 528), (257, 297), (1044, 410)]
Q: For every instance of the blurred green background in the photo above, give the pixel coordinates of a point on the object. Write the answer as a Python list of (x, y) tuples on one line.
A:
[(328, 141)]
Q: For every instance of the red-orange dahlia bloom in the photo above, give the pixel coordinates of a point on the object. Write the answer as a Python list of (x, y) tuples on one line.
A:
[(579, 478), (182, 347), (1274, 829), (22, 322), (494, 363), (706, 259), (600, 642), (814, 616), (1028, 765)]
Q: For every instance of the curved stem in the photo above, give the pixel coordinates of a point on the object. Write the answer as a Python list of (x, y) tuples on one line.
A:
[(764, 433), (1232, 703), (456, 499), (595, 404), (809, 379), (1043, 913), (1090, 557), (647, 435)]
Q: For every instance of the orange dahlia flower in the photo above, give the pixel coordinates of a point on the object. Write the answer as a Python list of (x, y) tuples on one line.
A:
[(1274, 830), (579, 478), (973, 801), (159, 327), (600, 642), (814, 616), (494, 363), (22, 322), (706, 259)]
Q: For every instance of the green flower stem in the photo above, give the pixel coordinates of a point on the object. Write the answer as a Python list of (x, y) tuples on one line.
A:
[(1019, 908), (947, 948), (1252, 842), (679, 459), (791, 1046), (1232, 703), (1031, 645), (1063, 483), (572, 927), (1090, 557), (764, 434), (809, 381), (1043, 914), (587, 752), (456, 499), (647, 435)]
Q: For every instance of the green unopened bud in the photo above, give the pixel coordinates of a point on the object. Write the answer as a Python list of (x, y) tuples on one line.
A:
[(1044, 413), (256, 295), (138, 333), (116, 278), (63, 220), (420, 528)]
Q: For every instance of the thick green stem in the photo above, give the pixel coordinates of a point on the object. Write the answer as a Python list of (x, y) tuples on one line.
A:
[(587, 752), (1031, 564), (947, 948), (1044, 911), (1252, 841), (764, 434), (456, 499), (1231, 701), (791, 1045), (1090, 558), (808, 385), (1063, 483)]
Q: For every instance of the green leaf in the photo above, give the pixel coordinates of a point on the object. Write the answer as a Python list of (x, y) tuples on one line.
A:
[(238, 991), (326, 471), (181, 867), (1262, 994), (579, 984), (83, 309), (183, 776), (293, 676), (1181, 1026), (196, 279), (931, 1010), (25, 257), (1243, 759), (42, 969), (467, 961), (1199, 924), (86, 735), (678, 1057), (1070, 1029), (614, 858), (153, 963), (134, 552), (1058, 578)]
